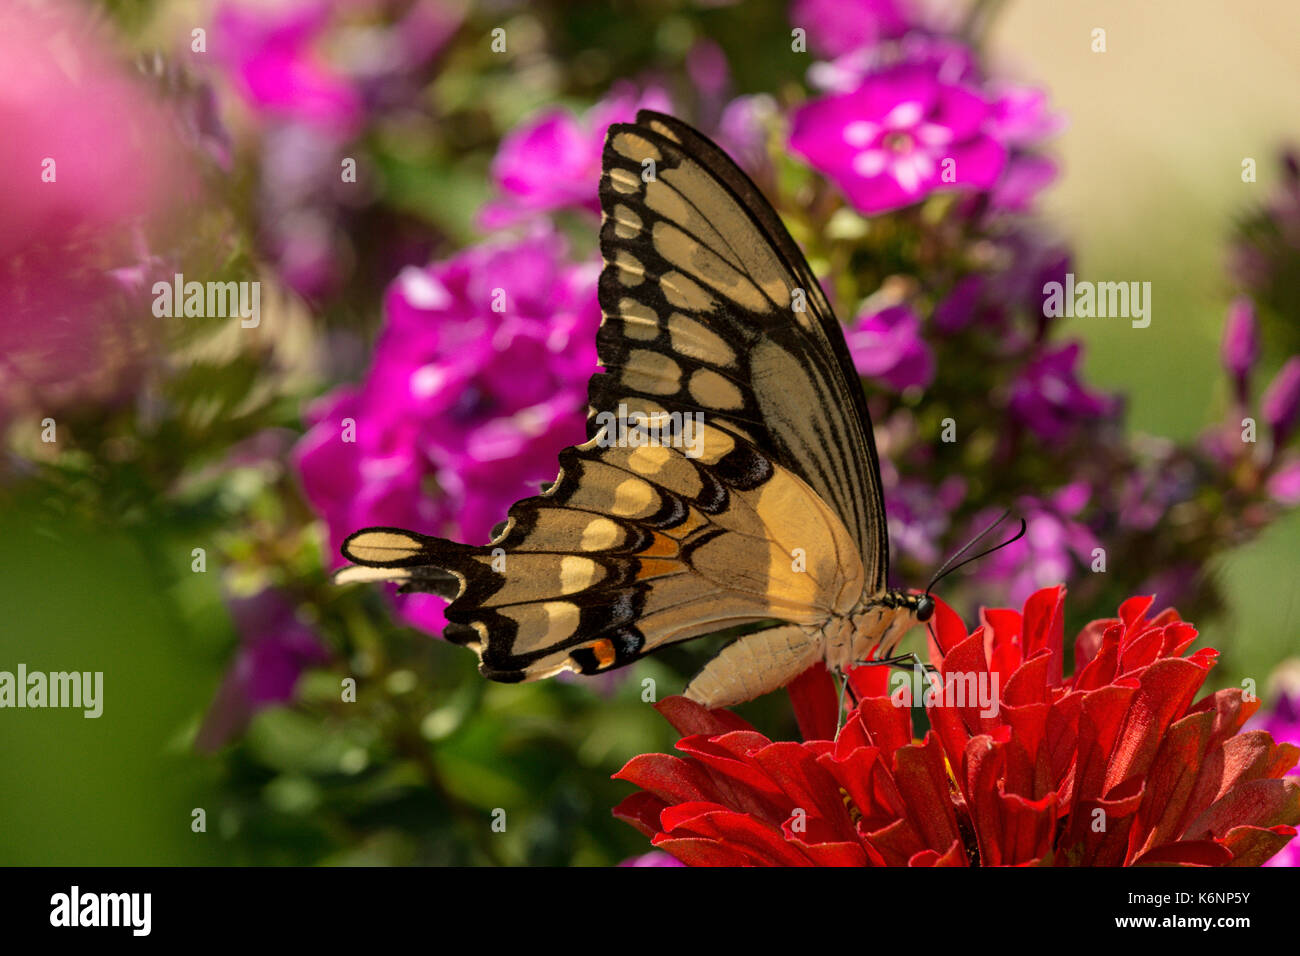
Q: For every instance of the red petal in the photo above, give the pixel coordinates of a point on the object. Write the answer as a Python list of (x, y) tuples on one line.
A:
[(671, 779), (1045, 628), (1167, 689), (1180, 783), (922, 779), (1199, 853), (642, 810), (808, 785), (946, 631), (759, 841), (692, 718), (1259, 803), (955, 855), (1103, 714), (816, 703), (697, 852), (1253, 846), (1135, 608)]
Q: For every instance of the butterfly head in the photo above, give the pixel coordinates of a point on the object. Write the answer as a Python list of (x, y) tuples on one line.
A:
[(924, 609)]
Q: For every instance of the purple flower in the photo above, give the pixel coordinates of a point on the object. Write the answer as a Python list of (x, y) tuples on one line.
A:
[(478, 379), (1284, 483), (653, 858), (1281, 402), (898, 138), (920, 516), (552, 161), (1053, 544), (887, 346), (1240, 344), (743, 129), (91, 166), (275, 647), (1282, 721), (271, 53), (1049, 399), (836, 27)]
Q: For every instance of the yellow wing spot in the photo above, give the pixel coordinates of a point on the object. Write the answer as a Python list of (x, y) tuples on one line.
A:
[(651, 372), (630, 270), (632, 498), (685, 293), (383, 546), (627, 223), (639, 320), (649, 459), (698, 341), (636, 147), (600, 535), (711, 390), (577, 574), (664, 131), (717, 445), (624, 180)]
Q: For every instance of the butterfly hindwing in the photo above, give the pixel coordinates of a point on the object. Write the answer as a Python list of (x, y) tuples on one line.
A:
[(632, 548)]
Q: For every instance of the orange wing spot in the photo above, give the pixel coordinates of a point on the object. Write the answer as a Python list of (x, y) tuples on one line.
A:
[(661, 547), (694, 521), (657, 567), (604, 651)]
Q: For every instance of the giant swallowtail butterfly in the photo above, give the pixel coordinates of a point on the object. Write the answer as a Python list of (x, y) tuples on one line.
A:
[(770, 510)]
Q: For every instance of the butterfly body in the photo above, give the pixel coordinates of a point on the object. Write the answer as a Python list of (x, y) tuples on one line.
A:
[(746, 489)]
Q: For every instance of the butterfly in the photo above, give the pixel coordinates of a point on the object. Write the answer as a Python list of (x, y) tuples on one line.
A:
[(730, 476)]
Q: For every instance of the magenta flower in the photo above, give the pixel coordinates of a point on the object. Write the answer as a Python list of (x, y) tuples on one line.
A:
[(653, 858), (1240, 344), (887, 346), (899, 137), (275, 647), (836, 27), (552, 161), (1049, 398), (478, 379), (743, 128), (1054, 545), (272, 55), (1281, 402), (920, 515), (90, 165), (1282, 721)]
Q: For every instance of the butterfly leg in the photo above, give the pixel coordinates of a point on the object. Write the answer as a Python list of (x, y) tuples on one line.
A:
[(846, 689)]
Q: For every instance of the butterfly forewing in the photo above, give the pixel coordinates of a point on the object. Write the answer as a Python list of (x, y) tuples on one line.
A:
[(709, 307)]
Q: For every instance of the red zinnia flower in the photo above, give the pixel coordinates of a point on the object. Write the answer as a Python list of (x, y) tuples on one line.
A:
[(1115, 765)]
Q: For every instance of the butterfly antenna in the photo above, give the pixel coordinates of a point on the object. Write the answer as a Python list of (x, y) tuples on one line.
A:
[(949, 566)]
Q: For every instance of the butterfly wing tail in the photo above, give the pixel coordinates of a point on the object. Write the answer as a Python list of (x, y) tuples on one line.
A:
[(416, 562)]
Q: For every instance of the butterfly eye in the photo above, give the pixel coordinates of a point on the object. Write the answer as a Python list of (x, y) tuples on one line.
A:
[(924, 608)]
